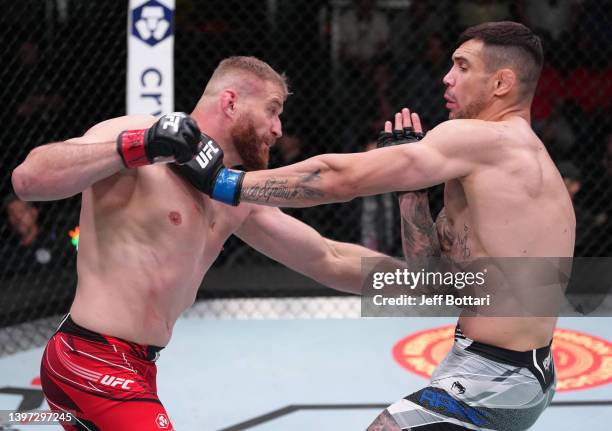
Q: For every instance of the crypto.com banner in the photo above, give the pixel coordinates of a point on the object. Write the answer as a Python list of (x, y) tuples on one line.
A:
[(150, 71)]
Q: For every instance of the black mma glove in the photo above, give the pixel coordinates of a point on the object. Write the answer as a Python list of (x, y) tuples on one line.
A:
[(173, 138), (207, 174), (398, 137)]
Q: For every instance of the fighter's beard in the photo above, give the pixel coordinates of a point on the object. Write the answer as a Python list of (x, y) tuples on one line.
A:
[(472, 110), (250, 147)]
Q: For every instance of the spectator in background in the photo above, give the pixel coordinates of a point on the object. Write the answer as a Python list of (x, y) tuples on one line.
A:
[(363, 37), (412, 25), (590, 84), (23, 219), (379, 221), (557, 133), (41, 100), (33, 246), (551, 90), (472, 12), (585, 221), (555, 17), (424, 91), (590, 80), (363, 33)]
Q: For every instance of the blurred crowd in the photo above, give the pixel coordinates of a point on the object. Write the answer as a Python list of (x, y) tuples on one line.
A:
[(351, 65)]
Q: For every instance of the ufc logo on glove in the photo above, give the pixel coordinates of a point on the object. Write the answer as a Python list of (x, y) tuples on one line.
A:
[(206, 154), (173, 121)]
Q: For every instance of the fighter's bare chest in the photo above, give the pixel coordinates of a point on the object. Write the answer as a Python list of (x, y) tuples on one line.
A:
[(174, 206)]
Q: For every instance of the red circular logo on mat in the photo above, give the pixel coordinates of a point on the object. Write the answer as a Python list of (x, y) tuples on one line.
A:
[(582, 361)]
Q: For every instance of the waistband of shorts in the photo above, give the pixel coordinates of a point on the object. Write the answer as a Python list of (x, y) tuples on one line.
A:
[(499, 354), (147, 352)]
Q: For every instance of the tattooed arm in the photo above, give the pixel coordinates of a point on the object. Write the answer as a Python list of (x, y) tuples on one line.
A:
[(453, 149), (419, 235), (422, 239)]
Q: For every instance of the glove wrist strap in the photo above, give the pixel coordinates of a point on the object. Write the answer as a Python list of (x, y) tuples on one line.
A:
[(227, 187), (131, 148)]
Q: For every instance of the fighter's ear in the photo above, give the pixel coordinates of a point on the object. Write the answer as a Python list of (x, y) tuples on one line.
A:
[(228, 99), (505, 80)]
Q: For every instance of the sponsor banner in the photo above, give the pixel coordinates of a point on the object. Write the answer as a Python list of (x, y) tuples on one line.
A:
[(150, 71), (582, 361), (487, 287)]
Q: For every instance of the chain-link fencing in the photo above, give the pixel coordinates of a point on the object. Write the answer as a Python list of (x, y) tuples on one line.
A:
[(351, 65)]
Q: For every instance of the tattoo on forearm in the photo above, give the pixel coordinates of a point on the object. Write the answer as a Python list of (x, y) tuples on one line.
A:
[(311, 177), (283, 190), (419, 237), (384, 422)]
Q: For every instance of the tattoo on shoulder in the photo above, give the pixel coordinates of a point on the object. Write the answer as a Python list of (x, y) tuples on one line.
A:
[(283, 189)]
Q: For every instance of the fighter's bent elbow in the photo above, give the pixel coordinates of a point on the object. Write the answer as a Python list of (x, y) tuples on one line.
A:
[(23, 183), (27, 180)]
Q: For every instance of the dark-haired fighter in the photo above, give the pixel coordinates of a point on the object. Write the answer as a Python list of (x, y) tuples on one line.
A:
[(503, 198)]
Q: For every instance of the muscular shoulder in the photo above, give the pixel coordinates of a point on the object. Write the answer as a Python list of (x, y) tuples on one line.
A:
[(109, 129), (477, 132), (477, 140)]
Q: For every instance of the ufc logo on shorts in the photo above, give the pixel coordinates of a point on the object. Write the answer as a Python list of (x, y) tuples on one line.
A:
[(172, 121), (206, 154), (113, 382)]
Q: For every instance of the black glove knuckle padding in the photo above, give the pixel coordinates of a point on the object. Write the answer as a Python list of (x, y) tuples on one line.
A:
[(397, 137), (405, 136), (398, 134), (384, 139)]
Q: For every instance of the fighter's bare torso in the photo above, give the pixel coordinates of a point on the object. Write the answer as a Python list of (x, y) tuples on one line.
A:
[(147, 239), (516, 207)]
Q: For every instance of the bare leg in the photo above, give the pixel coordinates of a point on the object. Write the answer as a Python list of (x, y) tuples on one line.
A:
[(384, 422)]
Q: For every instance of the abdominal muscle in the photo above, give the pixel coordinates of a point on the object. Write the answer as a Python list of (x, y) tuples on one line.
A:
[(503, 327), (141, 262), (139, 298)]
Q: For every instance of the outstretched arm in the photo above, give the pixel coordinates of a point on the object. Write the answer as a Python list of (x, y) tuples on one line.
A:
[(301, 248), (62, 169), (452, 150)]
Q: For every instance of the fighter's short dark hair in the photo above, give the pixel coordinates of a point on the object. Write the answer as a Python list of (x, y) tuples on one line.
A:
[(509, 44)]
